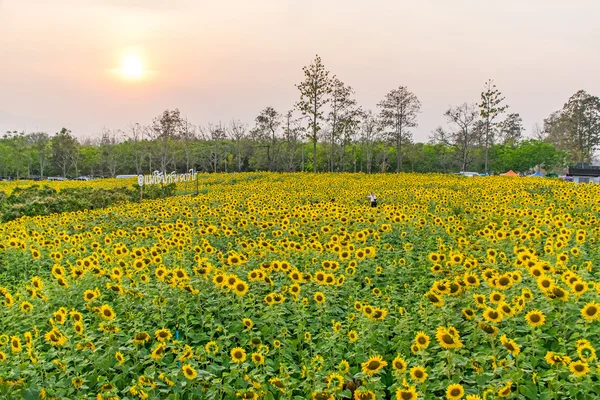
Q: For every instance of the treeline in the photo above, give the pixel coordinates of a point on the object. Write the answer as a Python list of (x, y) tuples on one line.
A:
[(326, 130)]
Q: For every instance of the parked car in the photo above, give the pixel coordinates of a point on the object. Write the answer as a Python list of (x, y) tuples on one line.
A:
[(469, 174)]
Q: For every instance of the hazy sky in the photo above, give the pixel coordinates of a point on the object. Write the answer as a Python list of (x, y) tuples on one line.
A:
[(218, 60)]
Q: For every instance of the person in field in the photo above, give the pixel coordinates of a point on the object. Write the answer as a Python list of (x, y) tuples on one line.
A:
[(373, 199)]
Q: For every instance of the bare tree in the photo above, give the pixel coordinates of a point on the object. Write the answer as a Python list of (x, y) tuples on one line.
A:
[(399, 112), (462, 135), (314, 95), (237, 132)]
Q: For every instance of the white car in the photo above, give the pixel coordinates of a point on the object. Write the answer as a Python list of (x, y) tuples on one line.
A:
[(469, 174)]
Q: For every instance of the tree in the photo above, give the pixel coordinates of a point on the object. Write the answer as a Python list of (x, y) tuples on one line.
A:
[(267, 126), (341, 114), (40, 142), (215, 134), (109, 158), (188, 135), (526, 155), (165, 130), (65, 150), (237, 133), (576, 128), (291, 134), (463, 136), (490, 109), (314, 95), (399, 112), (370, 131), (512, 129)]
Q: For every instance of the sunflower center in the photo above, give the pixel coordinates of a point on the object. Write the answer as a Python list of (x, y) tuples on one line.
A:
[(447, 339), (534, 318), (374, 364), (406, 395), (455, 392), (592, 310)]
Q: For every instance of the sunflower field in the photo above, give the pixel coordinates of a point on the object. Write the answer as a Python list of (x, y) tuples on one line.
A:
[(291, 286)]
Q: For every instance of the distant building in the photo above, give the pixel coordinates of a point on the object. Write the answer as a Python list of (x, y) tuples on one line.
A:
[(583, 173)]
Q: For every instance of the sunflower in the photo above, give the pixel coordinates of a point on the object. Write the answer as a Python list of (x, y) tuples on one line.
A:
[(59, 317), (468, 313), (555, 359), (586, 352), (77, 382), (189, 372), (55, 337), (26, 306), (238, 355), (106, 312), (141, 338), (119, 357), (446, 340), (418, 374), (335, 382), (399, 364), (319, 297), (90, 295), (535, 318), (479, 300), (278, 383), (362, 394), (579, 368), (158, 352), (591, 311), (343, 367), (78, 327), (505, 390), (247, 322), (513, 348), (163, 335), (211, 347), (373, 365), (240, 287), (492, 315), (258, 359), (322, 396), (422, 340), (455, 392), (15, 345), (406, 393), (496, 297), (352, 336)]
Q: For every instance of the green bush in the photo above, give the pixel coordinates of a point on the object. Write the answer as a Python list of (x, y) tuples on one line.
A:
[(35, 200)]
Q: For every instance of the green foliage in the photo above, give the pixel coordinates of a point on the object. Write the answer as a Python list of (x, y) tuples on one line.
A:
[(37, 200)]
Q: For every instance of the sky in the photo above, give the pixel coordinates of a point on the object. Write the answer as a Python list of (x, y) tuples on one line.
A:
[(219, 60)]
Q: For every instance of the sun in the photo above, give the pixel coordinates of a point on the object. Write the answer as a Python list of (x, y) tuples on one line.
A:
[(132, 67)]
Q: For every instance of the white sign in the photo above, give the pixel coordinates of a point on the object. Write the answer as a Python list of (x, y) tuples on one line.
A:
[(159, 178)]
